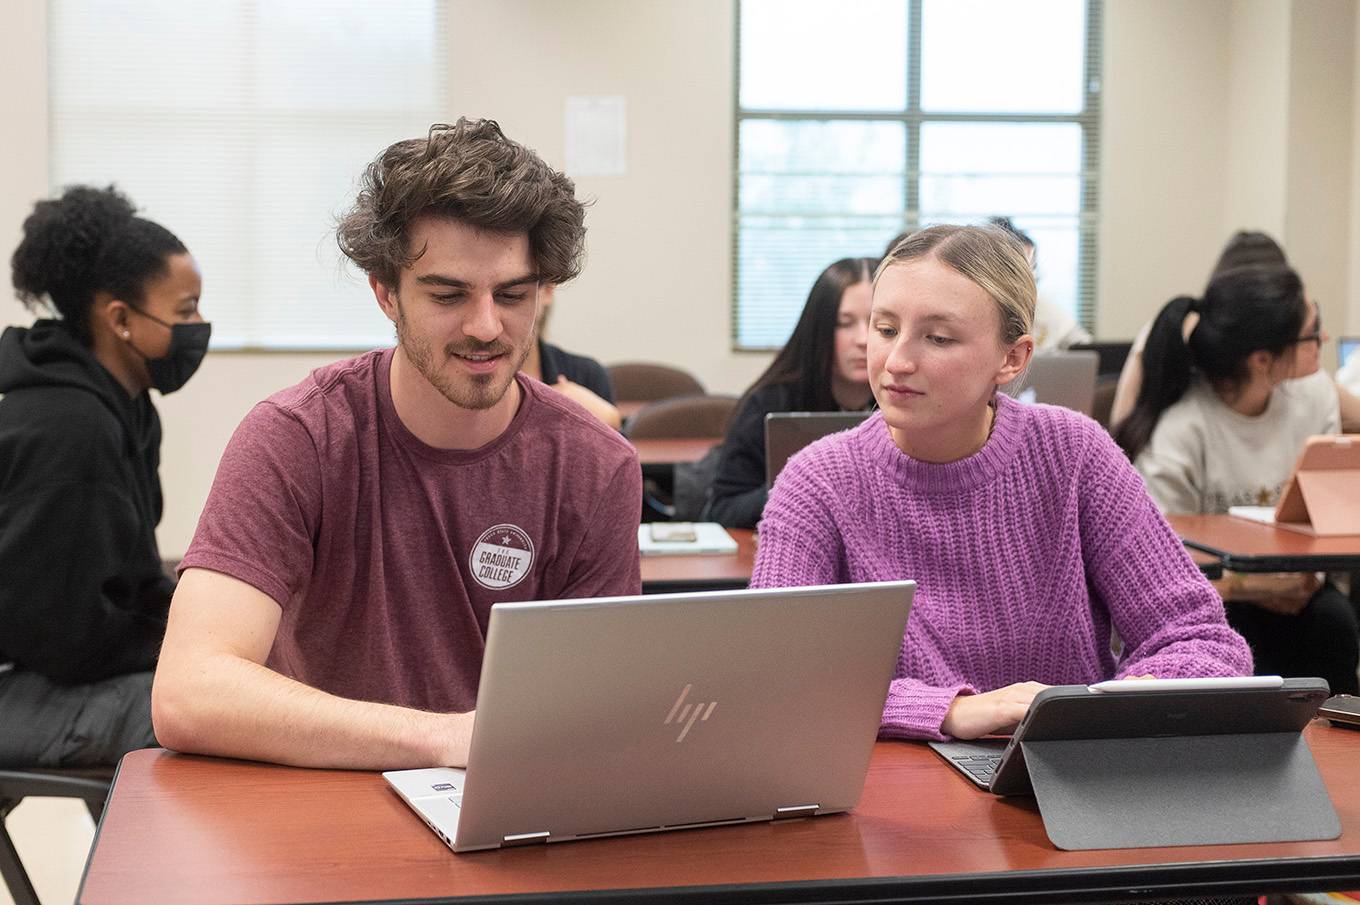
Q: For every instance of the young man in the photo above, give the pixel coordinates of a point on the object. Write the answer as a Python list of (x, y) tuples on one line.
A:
[(333, 605)]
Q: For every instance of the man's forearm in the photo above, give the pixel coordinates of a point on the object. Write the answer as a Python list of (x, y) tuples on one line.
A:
[(232, 707)]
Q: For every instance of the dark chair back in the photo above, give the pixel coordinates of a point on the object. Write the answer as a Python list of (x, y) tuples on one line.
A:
[(644, 382), (91, 786), (682, 418)]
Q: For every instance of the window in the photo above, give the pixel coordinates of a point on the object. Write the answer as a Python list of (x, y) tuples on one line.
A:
[(243, 126), (857, 121)]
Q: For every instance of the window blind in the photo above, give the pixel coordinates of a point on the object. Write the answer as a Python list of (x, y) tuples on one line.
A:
[(890, 115), (243, 127)]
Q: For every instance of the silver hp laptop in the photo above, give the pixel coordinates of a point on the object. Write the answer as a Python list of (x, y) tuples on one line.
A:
[(788, 432), (1067, 379), (609, 716)]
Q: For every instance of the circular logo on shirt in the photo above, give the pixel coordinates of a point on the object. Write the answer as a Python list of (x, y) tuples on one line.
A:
[(501, 557)]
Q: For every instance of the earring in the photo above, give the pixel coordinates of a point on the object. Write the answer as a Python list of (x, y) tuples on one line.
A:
[(127, 334)]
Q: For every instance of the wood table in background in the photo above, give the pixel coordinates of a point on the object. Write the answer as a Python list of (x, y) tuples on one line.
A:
[(704, 571), (198, 830), (654, 453), (1247, 546)]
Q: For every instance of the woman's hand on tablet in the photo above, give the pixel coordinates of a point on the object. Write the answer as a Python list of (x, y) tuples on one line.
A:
[(999, 711)]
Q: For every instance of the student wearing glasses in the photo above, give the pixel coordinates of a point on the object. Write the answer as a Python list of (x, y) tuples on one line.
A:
[(1029, 534), (1219, 422)]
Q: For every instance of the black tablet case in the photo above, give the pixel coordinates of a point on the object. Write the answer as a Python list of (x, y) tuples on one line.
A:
[(1177, 768)]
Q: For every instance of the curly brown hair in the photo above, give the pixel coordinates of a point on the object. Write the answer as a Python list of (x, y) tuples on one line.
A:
[(470, 172)]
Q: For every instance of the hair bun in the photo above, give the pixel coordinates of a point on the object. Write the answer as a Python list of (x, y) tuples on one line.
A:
[(63, 238)]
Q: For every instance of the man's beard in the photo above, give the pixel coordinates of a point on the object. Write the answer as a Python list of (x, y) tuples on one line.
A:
[(478, 391)]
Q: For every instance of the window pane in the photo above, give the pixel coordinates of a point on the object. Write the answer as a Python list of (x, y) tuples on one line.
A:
[(810, 192), (822, 167), (243, 128), (971, 170), (1030, 172), (814, 55), (778, 258), (999, 56)]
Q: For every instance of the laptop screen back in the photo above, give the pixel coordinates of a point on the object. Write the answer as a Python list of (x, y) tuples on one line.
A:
[(596, 717), (788, 432)]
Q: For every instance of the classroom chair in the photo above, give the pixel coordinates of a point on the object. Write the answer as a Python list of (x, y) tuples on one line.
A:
[(91, 786), (645, 382), (682, 418)]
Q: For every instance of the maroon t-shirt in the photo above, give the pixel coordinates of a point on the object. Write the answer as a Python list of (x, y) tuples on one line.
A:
[(386, 554)]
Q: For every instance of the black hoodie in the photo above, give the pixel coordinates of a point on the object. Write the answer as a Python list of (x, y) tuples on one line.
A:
[(82, 593)]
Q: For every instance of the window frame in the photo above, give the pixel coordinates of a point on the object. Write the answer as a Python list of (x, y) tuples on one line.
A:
[(913, 117)]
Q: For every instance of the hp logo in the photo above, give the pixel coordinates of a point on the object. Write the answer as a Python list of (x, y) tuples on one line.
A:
[(688, 714)]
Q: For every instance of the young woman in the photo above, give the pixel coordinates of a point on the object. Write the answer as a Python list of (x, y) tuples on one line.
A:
[(1219, 422), (1245, 248), (1029, 534), (820, 369), (83, 600)]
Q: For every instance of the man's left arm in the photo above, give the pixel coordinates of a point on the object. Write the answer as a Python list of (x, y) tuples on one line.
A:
[(606, 562)]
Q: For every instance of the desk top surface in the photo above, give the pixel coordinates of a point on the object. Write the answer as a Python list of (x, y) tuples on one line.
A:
[(1253, 546), (674, 451), (203, 830), (702, 571)]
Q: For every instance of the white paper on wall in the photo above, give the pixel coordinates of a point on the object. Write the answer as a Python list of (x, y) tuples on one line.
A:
[(596, 136)]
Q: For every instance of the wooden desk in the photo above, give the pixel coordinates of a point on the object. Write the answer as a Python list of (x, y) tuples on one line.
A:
[(704, 572), (653, 453), (1247, 546), (201, 830), (1208, 563)]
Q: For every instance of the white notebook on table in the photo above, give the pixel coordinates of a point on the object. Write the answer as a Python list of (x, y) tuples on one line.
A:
[(679, 538)]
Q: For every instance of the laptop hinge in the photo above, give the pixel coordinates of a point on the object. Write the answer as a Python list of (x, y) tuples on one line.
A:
[(797, 810), (524, 838)]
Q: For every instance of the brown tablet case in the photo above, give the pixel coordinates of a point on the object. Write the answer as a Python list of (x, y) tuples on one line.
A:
[(1323, 495)]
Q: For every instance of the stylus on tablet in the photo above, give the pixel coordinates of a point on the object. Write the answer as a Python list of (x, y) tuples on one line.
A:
[(1232, 683)]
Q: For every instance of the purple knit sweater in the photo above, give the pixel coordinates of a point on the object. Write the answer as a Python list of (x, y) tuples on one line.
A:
[(1025, 555)]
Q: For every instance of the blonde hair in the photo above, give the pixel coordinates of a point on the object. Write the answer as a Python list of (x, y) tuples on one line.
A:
[(985, 256)]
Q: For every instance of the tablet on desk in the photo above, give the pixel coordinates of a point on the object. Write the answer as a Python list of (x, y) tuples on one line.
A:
[(1323, 494), (1136, 708), (1191, 763)]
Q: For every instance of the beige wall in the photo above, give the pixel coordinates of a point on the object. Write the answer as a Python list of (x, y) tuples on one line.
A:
[(1202, 105), (1164, 140), (1318, 182), (23, 110), (1258, 113)]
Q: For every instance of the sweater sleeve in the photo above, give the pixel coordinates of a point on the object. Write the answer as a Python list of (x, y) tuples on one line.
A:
[(739, 493), (67, 609), (1169, 617)]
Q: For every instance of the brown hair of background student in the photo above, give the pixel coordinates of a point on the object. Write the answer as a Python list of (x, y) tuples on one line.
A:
[(807, 362), (470, 172)]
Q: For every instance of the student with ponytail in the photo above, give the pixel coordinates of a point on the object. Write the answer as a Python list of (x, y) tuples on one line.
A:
[(83, 598), (1219, 421)]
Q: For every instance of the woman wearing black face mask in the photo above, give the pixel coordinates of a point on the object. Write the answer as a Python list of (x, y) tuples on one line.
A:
[(83, 598)]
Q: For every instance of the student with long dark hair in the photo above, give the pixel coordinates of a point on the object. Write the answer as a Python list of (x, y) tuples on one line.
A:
[(1219, 422), (83, 597), (1245, 248), (820, 369)]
